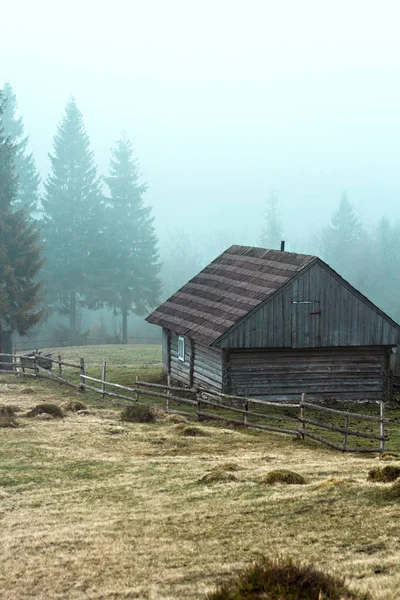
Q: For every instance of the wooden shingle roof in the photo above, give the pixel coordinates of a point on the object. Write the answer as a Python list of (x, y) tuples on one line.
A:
[(224, 292)]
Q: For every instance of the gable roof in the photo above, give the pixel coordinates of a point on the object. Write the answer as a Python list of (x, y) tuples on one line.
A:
[(231, 286)]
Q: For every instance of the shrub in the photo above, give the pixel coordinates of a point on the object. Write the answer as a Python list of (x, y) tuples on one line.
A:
[(384, 474), (283, 579), (217, 477), (47, 408), (283, 476), (138, 413)]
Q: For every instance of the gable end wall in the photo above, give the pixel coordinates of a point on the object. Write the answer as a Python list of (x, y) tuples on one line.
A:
[(344, 319)]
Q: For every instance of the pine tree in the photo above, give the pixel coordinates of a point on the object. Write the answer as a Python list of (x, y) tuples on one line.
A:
[(271, 235), (27, 195), (341, 237), (133, 266), (20, 253), (73, 219)]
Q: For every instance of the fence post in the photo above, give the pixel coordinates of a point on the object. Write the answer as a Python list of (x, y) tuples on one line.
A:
[(82, 385), (14, 358), (168, 392), (35, 365), (246, 408), (346, 426), (302, 415), (382, 426), (103, 379), (137, 388), (59, 368), (198, 397)]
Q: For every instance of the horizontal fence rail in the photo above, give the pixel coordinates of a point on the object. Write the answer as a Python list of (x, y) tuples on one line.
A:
[(292, 419)]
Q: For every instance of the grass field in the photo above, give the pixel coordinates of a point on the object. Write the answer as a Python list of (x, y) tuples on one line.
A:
[(95, 508)]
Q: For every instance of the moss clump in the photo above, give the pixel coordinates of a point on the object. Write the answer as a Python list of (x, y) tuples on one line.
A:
[(283, 476), (46, 408), (283, 579), (138, 413), (192, 431), (384, 474), (74, 406), (217, 477)]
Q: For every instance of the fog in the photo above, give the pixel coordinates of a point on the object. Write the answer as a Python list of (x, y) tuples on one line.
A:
[(224, 101)]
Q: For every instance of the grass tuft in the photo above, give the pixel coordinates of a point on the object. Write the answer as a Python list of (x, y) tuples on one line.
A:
[(173, 418), (138, 413), (8, 421), (46, 408), (283, 579), (217, 477), (193, 431), (226, 467), (389, 456), (7, 410), (283, 476), (384, 474), (393, 493), (74, 406)]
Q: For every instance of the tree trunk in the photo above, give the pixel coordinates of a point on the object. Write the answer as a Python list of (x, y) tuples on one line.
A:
[(72, 319), (6, 347), (124, 325)]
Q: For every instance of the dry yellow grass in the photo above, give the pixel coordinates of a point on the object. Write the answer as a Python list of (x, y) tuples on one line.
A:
[(86, 514)]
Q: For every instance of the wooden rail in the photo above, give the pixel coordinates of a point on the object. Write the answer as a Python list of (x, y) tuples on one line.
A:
[(224, 407)]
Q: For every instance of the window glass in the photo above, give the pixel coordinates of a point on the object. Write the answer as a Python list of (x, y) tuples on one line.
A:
[(181, 348)]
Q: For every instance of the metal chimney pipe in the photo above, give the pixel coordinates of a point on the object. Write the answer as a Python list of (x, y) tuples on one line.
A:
[(283, 245)]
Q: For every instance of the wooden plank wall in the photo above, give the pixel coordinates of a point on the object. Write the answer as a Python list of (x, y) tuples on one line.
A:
[(180, 370), (202, 365), (207, 367), (344, 319), (346, 373), (166, 340)]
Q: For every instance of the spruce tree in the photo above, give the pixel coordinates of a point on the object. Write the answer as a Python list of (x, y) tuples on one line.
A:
[(27, 195), (271, 235), (73, 219), (20, 253), (341, 237), (133, 284)]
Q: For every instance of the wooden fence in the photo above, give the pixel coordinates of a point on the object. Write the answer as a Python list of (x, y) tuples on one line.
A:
[(293, 419)]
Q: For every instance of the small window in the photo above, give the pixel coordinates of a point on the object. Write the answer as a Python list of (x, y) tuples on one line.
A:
[(181, 348)]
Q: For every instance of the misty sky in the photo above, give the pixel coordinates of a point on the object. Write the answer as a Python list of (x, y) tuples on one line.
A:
[(223, 100)]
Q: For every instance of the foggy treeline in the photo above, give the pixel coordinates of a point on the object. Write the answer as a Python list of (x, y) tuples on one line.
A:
[(103, 259)]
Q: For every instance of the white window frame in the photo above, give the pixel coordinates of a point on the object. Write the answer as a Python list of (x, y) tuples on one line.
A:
[(181, 348)]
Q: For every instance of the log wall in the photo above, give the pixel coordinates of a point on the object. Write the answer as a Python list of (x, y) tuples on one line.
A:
[(202, 366), (340, 373), (207, 367)]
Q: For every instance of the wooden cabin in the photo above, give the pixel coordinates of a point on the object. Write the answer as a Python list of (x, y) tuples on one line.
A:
[(273, 324)]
